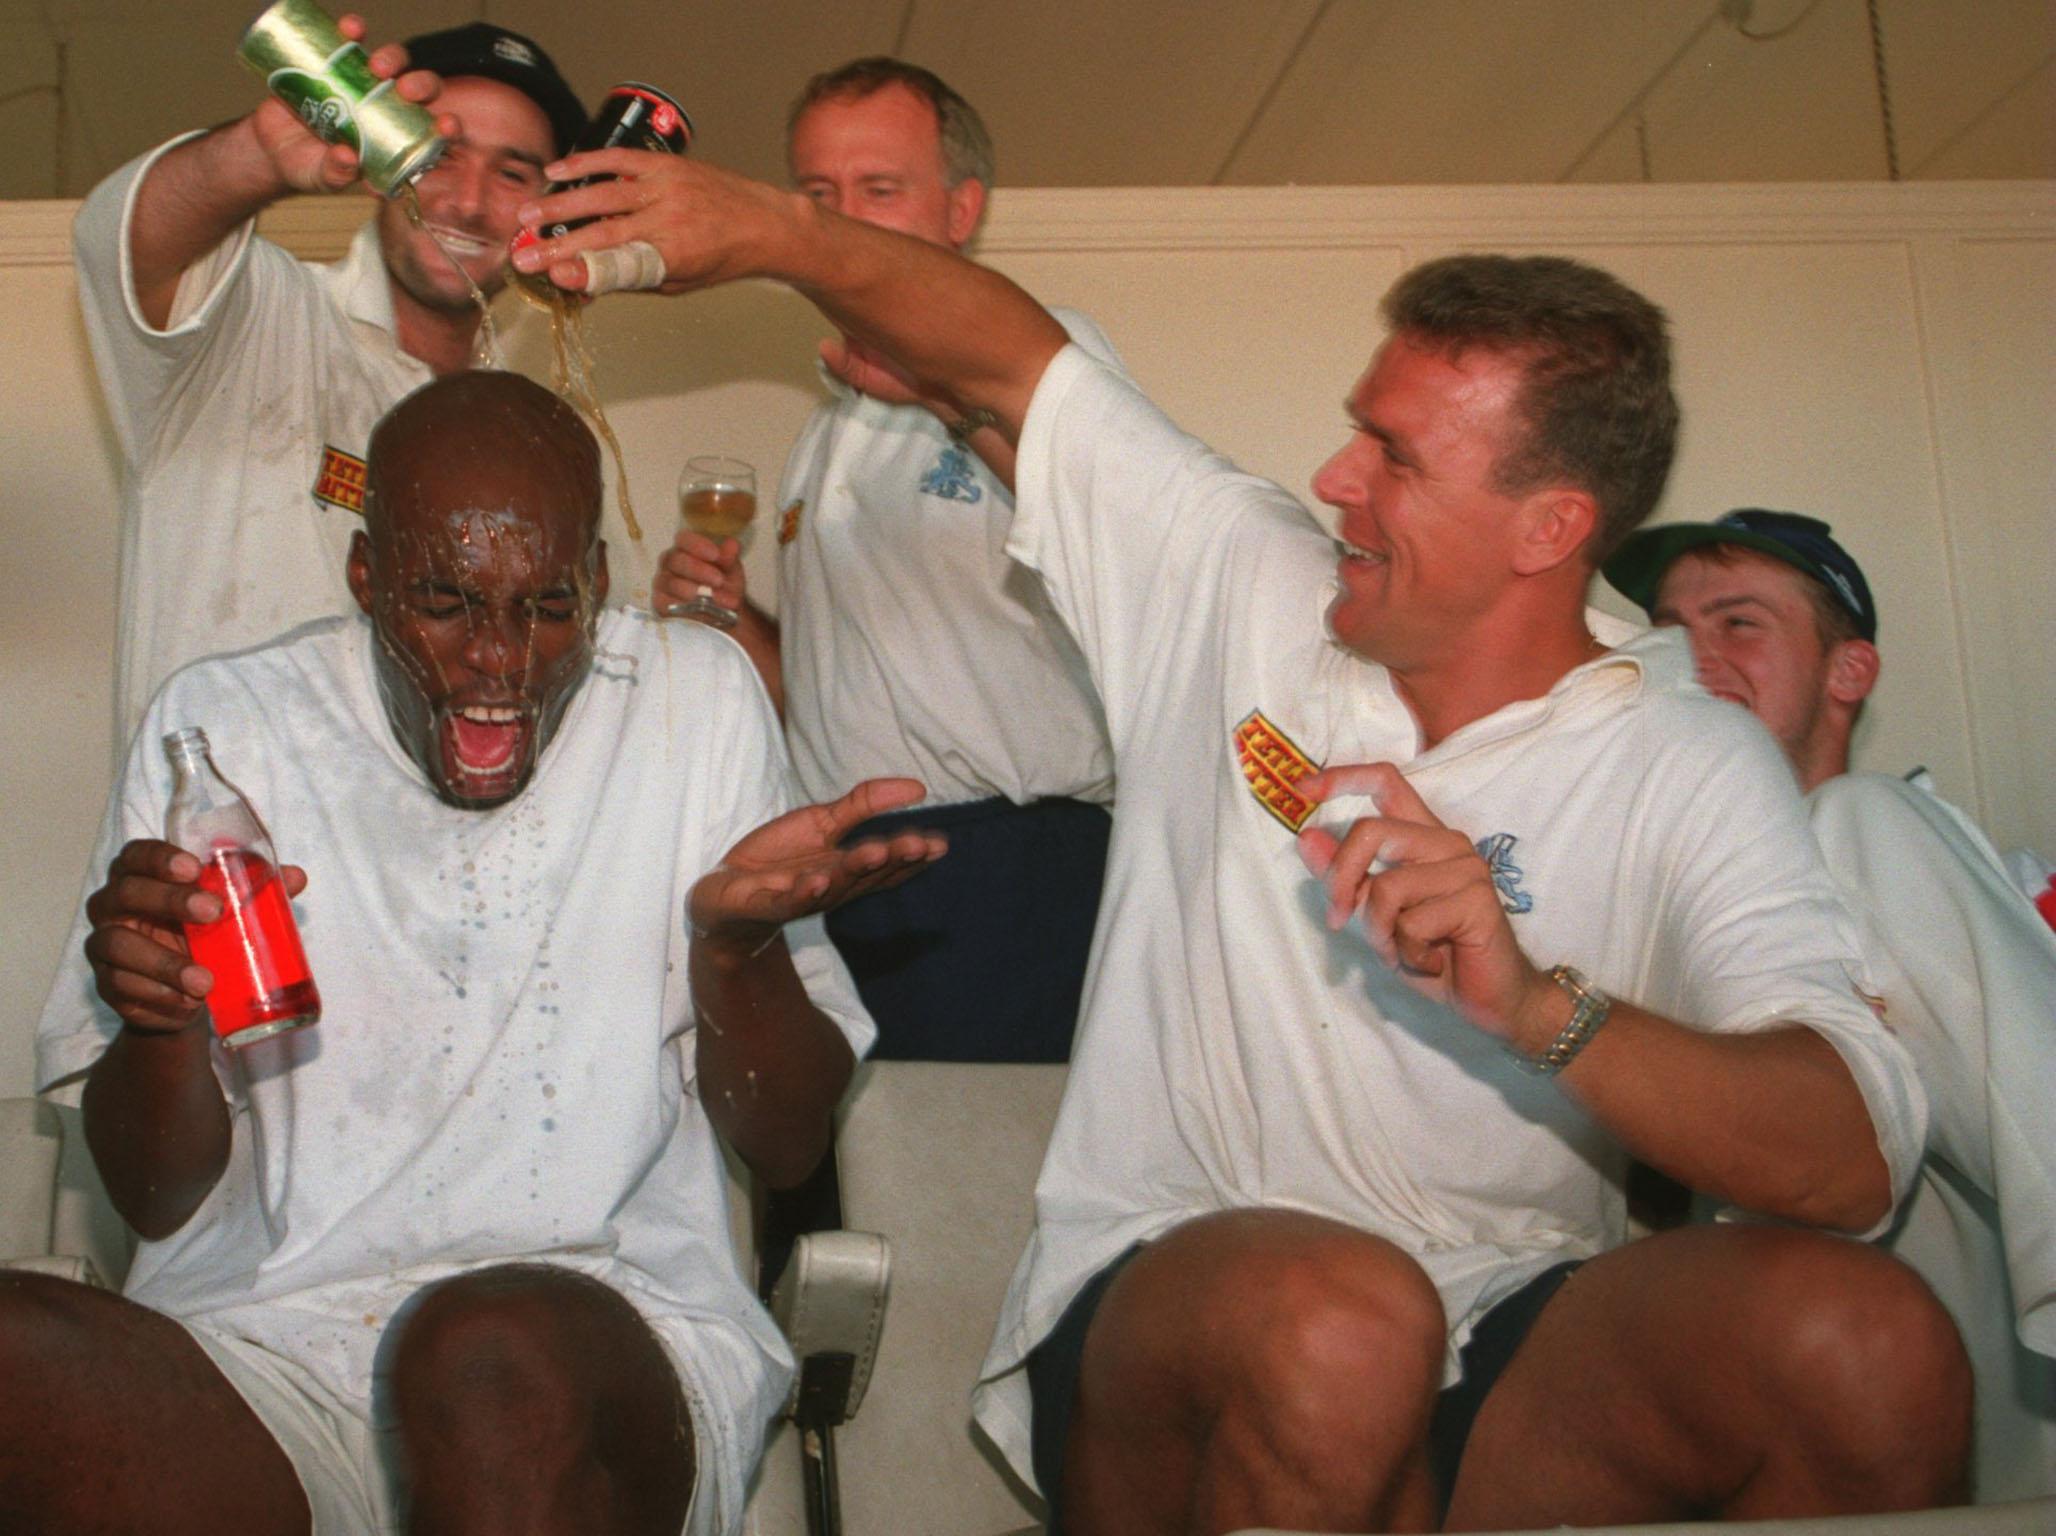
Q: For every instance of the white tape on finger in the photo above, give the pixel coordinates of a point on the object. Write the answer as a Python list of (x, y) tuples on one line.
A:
[(634, 266)]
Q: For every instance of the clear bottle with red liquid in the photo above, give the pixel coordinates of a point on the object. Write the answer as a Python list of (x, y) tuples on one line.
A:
[(262, 985)]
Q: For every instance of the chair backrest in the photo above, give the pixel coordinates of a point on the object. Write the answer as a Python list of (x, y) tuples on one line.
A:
[(941, 1157)]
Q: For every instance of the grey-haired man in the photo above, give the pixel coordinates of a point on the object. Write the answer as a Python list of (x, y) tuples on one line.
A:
[(907, 637)]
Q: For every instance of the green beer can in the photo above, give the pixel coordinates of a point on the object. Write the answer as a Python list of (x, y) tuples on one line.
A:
[(327, 80)]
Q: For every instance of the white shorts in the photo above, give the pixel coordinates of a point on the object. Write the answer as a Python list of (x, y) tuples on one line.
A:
[(343, 1462)]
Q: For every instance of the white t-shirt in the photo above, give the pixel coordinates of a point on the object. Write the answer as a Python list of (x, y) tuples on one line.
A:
[(242, 426), (504, 1065), (911, 643), (1233, 1052), (1967, 971)]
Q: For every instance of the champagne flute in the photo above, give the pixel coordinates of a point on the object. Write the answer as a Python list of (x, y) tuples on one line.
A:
[(716, 497)]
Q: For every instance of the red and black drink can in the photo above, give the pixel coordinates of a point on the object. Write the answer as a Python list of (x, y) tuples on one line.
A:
[(634, 116)]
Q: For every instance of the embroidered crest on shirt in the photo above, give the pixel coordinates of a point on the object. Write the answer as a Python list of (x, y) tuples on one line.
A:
[(1273, 765), (1497, 852), (953, 478), (789, 521), (341, 481)]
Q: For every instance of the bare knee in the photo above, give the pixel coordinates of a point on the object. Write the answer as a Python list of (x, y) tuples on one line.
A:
[(1324, 1338), (1353, 1347), (503, 1351), (533, 1388), (49, 1330), (1872, 1367)]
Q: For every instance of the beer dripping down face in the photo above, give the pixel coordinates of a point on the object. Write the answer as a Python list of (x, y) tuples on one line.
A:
[(481, 568)]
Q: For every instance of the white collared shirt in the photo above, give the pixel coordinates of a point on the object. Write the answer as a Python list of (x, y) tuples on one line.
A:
[(911, 643), (255, 402), (1232, 1052)]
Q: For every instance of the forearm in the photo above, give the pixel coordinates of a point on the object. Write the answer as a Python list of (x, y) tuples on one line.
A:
[(157, 1125), (194, 197), (1772, 1122), (963, 331), (771, 1065)]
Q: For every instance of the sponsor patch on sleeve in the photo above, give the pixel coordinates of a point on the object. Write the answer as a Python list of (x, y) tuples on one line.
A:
[(341, 481), (1273, 765)]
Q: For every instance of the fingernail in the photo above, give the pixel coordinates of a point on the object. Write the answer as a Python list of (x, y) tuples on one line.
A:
[(554, 170), (527, 258), (528, 215), (196, 981), (203, 908)]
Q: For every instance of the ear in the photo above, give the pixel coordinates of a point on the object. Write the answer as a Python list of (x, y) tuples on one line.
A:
[(1557, 523), (358, 569), (1852, 671), (966, 208)]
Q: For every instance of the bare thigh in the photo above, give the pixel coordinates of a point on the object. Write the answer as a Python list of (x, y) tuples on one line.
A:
[(114, 1420), (1741, 1371)]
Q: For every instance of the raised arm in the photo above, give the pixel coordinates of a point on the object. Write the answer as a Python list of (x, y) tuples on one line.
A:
[(771, 1065), (970, 339), (198, 193)]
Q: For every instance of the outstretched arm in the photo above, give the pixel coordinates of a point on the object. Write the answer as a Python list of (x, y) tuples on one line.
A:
[(1771, 1121), (970, 338), (771, 1065)]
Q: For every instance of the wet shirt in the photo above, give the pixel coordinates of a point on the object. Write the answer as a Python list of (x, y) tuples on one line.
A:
[(1232, 1051), (242, 428), (504, 1065), (910, 642)]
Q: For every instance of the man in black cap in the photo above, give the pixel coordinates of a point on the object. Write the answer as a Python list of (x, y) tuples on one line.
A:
[(243, 383), (1962, 968), (1781, 621)]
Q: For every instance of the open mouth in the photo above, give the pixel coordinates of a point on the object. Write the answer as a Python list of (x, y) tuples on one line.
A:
[(1357, 555), (484, 745), (455, 242)]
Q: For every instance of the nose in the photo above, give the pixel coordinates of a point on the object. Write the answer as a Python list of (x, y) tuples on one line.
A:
[(1706, 665), (1337, 481), (495, 641), (459, 187)]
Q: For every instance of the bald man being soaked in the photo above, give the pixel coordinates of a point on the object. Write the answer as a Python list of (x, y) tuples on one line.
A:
[(549, 928)]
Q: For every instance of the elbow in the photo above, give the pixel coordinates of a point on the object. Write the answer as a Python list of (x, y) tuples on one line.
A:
[(153, 1209), (787, 1165), (1853, 1197)]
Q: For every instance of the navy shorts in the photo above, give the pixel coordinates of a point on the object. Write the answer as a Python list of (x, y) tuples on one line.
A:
[(981, 956), (1054, 1363)]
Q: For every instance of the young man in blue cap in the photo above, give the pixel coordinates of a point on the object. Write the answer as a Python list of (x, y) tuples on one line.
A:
[(243, 383), (1783, 623)]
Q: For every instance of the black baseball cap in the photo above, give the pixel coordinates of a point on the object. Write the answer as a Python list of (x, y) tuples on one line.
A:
[(1637, 567), (494, 53)]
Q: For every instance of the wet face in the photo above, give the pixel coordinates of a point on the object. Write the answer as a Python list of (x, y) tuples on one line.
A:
[(1755, 638), (469, 196), (483, 578), (1427, 542), (878, 158)]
